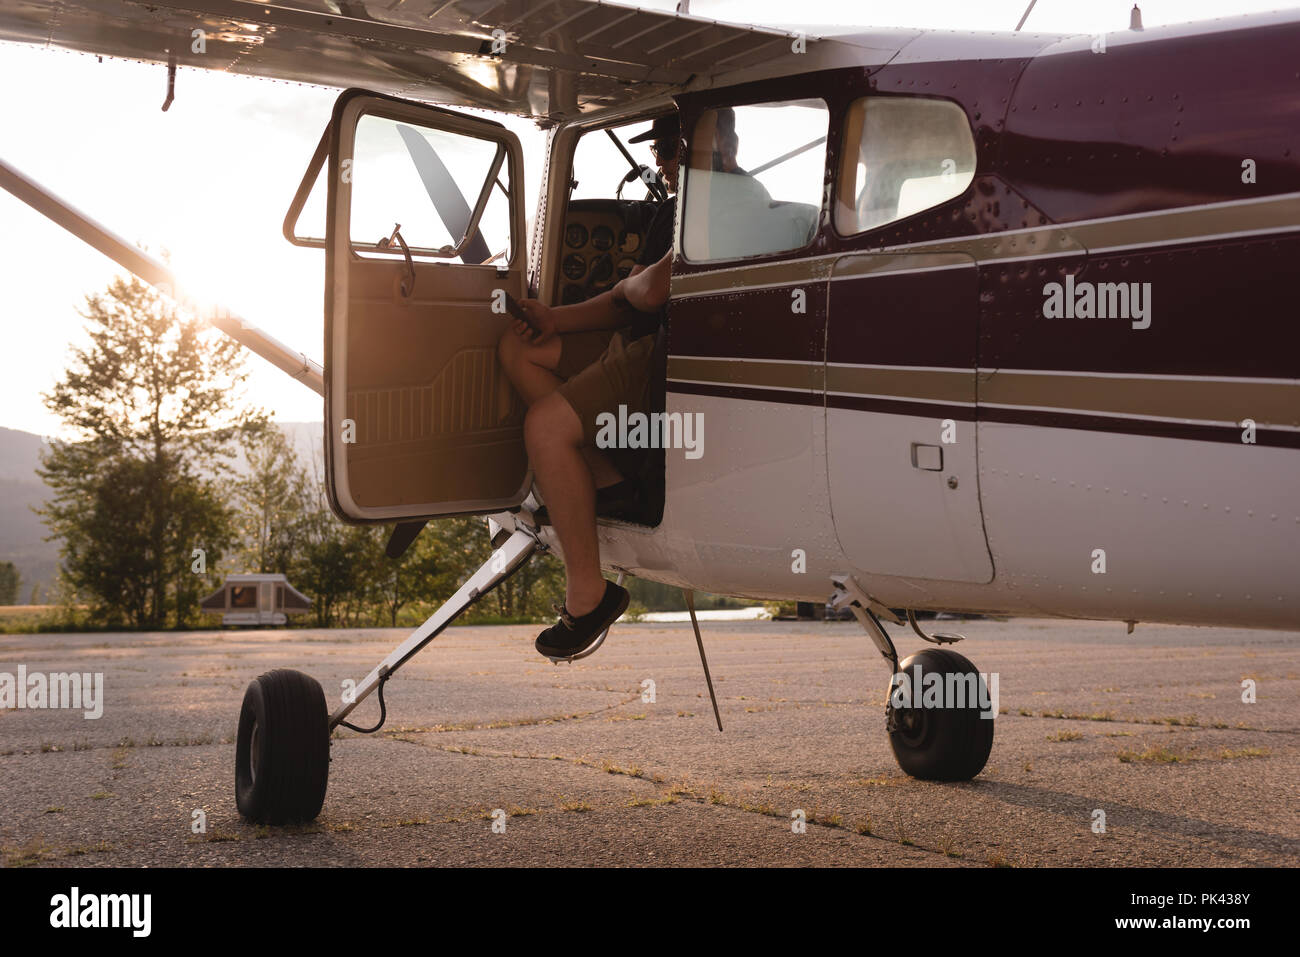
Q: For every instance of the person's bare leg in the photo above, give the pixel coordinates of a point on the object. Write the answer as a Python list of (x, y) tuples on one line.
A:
[(530, 368), (553, 434)]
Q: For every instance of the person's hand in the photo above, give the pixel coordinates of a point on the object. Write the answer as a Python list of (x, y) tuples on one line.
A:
[(543, 318), (647, 290)]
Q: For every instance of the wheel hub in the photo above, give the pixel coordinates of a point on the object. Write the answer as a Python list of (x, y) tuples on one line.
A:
[(253, 740), (910, 726)]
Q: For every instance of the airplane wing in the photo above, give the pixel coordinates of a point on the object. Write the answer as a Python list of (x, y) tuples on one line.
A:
[(549, 59)]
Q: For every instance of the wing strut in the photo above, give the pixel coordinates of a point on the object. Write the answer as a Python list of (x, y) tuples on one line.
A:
[(157, 274), (689, 594)]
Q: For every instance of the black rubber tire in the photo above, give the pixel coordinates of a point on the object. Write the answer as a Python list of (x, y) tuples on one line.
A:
[(941, 744), (280, 778)]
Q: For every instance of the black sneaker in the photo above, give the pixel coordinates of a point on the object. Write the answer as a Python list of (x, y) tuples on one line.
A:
[(570, 637)]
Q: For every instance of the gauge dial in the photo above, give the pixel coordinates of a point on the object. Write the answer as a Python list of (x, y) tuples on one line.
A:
[(602, 268), (625, 267), (602, 237), (575, 236), (575, 267), (629, 242)]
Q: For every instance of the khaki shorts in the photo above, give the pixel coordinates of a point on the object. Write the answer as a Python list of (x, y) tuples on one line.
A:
[(601, 371)]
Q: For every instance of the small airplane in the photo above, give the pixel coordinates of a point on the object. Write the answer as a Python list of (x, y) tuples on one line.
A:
[(1011, 331)]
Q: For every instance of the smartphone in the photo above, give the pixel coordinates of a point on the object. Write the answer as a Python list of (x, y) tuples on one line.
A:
[(516, 310)]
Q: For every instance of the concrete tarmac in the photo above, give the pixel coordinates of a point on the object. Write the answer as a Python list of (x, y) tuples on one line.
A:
[(1150, 730)]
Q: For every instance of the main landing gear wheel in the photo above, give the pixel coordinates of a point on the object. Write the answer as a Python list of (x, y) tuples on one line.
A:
[(945, 743), (282, 753)]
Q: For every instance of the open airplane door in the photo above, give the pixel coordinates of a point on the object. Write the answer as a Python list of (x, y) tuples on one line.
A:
[(424, 239)]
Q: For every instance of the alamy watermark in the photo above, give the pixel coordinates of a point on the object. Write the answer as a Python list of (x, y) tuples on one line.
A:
[(938, 689), (1100, 300), (658, 430), (76, 690), (75, 909)]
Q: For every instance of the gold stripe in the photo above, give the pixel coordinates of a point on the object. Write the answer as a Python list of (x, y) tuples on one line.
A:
[(1269, 403), (1189, 224), (1190, 398), (1044, 241), (807, 376), (936, 385), (771, 274), (865, 264)]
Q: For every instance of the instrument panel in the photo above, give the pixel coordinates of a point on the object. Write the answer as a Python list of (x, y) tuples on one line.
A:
[(602, 241)]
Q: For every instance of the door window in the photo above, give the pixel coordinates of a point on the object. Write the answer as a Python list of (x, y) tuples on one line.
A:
[(437, 184), (911, 154), (754, 180)]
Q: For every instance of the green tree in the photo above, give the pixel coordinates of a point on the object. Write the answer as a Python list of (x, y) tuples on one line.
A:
[(152, 405), (332, 568), (463, 546), (353, 582), (531, 591), (271, 498), (418, 577), (9, 582), (331, 562)]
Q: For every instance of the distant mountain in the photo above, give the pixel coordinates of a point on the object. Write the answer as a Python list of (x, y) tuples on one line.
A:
[(19, 453), (21, 530), (22, 533)]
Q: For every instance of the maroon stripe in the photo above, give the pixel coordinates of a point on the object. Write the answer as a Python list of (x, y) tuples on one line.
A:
[(916, 319), (1222, 308), (755, 324), (929, 410)]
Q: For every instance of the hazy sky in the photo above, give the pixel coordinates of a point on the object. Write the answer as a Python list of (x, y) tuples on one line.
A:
[(211, 178)]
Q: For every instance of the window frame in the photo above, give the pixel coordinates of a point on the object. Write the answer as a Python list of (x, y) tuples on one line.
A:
[(324, 166), (502, 159), (547, 239), (846, 148)]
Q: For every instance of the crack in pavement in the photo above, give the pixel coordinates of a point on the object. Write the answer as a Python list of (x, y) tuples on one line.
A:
[(693, 792)]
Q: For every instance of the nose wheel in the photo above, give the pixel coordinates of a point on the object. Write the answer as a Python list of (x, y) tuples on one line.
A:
[(950, 742), (282, 751), (942, 735)]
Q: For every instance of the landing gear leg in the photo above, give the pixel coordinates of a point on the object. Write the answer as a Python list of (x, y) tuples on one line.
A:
[(512, 555), (944, 740), (282, 749)]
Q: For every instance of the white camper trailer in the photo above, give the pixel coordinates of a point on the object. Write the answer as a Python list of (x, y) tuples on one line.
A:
[(256, 600)]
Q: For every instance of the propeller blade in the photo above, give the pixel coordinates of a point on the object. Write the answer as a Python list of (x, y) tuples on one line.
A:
[(446, 195)]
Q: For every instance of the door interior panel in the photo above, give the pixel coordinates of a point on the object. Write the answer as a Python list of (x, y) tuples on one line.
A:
[(436, 419)]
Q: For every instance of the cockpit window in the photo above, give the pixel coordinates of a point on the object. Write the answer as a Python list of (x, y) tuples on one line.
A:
[(754, 180), (601, 171), (911, 154)]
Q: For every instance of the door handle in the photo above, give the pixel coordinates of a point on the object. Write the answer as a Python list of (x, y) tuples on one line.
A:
[(928, 458)]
